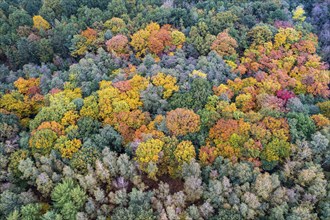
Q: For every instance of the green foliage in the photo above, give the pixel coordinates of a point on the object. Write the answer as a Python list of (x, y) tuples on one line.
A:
[(84, 157), (200, 38), (301, 126), (9, 202), (108, 137), (138, 207), (195, 98), (31, 211), (68, 198), (14, 161), (87, 126), (9, 126)]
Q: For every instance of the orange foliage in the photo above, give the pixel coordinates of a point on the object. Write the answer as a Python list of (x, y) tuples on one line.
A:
[(156, 39), (224, 44), (320, 120), (126, 123), (223, 89), (52, 125), (118, 45), (182, 121), (223, 129), (27, 86), (89, 34), (290, 63), (207, 154)]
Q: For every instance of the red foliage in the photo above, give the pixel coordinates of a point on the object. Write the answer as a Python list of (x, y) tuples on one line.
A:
[(285, 94), (54, 91)]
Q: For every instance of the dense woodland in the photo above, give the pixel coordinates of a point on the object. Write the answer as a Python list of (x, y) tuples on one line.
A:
[(169, 110)]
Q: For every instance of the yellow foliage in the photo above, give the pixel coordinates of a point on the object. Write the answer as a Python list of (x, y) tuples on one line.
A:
[(120, 106), (197, 73), (185, 152), (139, 83), (167, 82), (223, 89), (245, 102), (269, 86), (152, 27), (225, 109), (53, 125), (72, 93), (40, 23), (105, 84), (90, 107), (147, 155), (228, 151), (113, 100), (285, 37), (140, 42), (15, 103), (298, 14), (238, 84), (116, 25), (232, 64), (23, 85), (320, 120), (105, 101), (178, 38), (149, 151), (43, 140), (69, 118), (67, 147)]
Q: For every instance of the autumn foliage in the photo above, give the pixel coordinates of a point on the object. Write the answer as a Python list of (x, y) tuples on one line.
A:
[(156, 40), (224, 45), (40, 23), (182, 121)]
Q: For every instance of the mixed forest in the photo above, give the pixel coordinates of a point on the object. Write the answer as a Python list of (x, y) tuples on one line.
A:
[(169, 110)]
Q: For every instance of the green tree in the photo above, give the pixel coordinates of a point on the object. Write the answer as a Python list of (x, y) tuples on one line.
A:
[(200, 38), (68, 198)]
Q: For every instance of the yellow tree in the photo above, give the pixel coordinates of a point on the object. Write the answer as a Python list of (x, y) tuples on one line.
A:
[(167, 82), (299, 14), (40, 23), (147, 155)]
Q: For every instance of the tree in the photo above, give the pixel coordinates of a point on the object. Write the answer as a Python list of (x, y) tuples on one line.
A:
[(156, 39), (116, 25), (147, 155), (298, 14), (259, 35), (68, 198), (118, 45), (184, 152), (43, 140), (301, 126), (182, 121), (325, 108), (225, 45), (84, 42), (40, 23), (200, 38), (19, 17), (67, 147), (167, 82), (195, 98)]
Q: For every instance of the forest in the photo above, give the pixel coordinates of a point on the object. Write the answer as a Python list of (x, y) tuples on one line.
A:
[(164, 109)]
